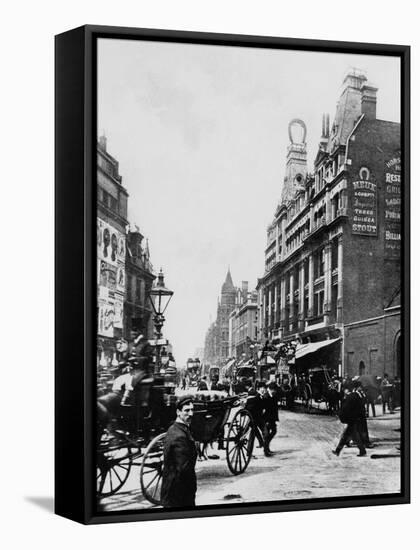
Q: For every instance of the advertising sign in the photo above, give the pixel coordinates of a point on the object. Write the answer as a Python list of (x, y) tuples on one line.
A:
[(364, 211), (111, 248), (120, 278), (106, 317), (110, 243), (118, 312), (107, 275), (392, 215)]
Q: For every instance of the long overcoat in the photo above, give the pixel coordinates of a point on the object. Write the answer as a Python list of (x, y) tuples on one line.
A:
[(353, 409), (179, 482), (271, 408)]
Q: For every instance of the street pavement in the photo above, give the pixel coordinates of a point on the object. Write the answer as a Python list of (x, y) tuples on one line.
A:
[(303, 466)]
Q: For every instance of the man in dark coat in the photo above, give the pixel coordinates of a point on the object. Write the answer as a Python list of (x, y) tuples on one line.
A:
[(179, 482), (353, 414), (257, 409), (271, 416)]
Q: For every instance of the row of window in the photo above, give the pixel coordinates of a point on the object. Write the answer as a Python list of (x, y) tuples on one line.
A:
[(136, 289), (295, 239), (108, 200), (319, 266), (107, 166), (272, 318)]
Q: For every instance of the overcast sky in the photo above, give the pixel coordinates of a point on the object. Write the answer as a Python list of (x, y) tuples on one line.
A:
[(200, 133)]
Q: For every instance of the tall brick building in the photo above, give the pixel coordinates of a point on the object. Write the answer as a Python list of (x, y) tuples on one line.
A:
[(216, 349), (137, 308), (332, 269), (243, 323), (124, 271)]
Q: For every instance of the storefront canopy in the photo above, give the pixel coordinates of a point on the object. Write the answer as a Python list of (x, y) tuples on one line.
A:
[(228, 368), (312, 347)]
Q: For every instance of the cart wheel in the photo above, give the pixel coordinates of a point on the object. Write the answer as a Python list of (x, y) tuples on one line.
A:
[(240, 442), (151, 470), (113, 465)]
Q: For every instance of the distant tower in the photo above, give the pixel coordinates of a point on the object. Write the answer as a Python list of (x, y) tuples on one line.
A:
[(228, 293), (296, 165), (225, 307)]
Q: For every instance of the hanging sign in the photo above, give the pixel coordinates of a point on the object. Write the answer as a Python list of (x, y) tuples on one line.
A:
[(364, 212), (392, 214)]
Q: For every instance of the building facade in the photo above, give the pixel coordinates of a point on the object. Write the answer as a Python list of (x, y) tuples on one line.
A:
[(332, 261), (112, 198), (243, 323), (210, 356), (124, 271), (138, 311), (216, 348)]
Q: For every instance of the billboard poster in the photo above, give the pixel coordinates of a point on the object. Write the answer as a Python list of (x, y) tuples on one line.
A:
[(118, 312), (107, 275), (110, 243), (364, 211), (106, 317), (120, 279), (392, 215), (111, 277)]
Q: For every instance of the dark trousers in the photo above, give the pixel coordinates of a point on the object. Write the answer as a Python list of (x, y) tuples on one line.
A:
[(353, 431), (363, 430), (259, 433), (269, 431), (372, 405), (387, 400)]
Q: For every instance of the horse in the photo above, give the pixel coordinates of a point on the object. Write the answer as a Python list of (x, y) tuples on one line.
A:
[(131, 405)]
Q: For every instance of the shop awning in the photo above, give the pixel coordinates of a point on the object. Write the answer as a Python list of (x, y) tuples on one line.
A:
[(312, 347), (228, 368)]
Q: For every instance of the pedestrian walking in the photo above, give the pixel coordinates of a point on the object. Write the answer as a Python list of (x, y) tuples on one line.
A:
[(364, 431), (396, 402), (258, 409), (179, 482), (271, 416), (386, 391), (352, 413)]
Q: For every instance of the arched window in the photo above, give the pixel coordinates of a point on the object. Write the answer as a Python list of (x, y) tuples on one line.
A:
[(362, 368)]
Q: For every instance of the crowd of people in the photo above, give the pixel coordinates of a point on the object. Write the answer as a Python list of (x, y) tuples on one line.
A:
[(358, 398), (179, 484)]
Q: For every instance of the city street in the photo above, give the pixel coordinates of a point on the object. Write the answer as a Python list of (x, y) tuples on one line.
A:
[(303, 466)]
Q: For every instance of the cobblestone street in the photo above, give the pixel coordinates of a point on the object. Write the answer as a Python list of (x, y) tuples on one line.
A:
[(303, 466)]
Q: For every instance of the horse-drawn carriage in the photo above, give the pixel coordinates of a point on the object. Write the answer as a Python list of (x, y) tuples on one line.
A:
[(138, 407), (131, 433), (214, 421), (318, 385), (214, 375), (244, 378), (193, 372)]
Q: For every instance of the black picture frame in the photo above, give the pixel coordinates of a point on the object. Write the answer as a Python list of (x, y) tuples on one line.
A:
[(75, 295)]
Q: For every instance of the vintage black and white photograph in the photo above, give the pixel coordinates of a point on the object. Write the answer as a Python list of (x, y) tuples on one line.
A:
[(249, 280)]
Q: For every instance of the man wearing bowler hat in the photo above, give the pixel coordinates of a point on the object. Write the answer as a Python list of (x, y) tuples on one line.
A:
[(179, 482)]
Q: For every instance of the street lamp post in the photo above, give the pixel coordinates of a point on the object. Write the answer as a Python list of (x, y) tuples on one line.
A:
[(159, 297)]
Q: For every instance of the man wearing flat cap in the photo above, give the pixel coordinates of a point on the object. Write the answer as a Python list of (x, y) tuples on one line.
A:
[(179, 482)]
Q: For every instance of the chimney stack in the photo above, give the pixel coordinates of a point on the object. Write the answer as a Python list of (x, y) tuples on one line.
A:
[(327, 125), (102, 143), (244, 290), (369, 101)]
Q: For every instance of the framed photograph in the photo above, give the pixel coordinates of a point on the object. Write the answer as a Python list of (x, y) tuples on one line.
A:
[(232, 274)]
